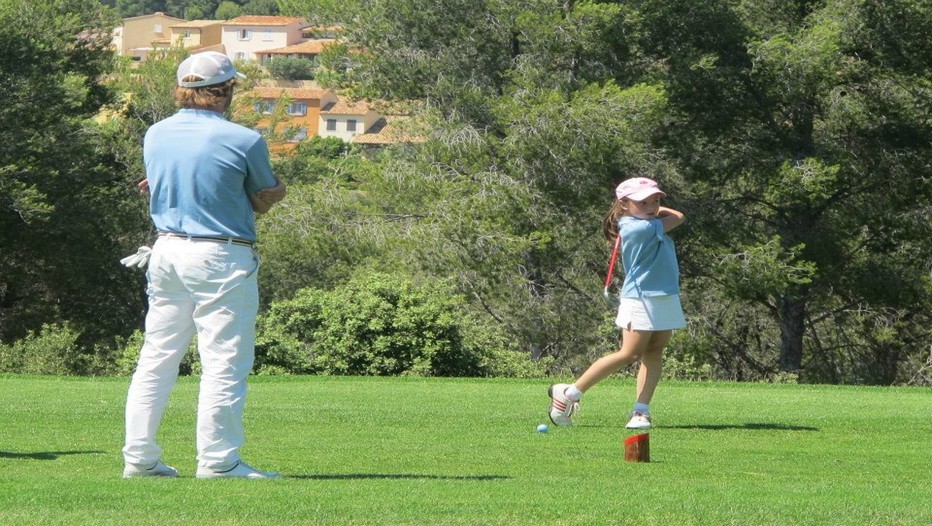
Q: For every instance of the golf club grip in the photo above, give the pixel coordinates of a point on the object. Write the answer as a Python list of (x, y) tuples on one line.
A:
[(611, 262)]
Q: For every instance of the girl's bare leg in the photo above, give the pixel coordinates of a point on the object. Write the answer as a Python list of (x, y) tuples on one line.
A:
[(651, 365), (633, 345)]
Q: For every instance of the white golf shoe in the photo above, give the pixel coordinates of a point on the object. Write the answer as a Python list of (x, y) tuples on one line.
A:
[(157, 470), (240, 470)]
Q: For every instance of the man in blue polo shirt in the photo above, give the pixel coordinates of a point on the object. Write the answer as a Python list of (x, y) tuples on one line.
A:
[(206, 178)]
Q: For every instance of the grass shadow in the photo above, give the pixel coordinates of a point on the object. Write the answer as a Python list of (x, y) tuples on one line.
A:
[(395, 476), (752, 426), (45, 455)]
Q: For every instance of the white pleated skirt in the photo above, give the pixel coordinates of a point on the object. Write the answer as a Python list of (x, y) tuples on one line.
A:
[(653, 313)]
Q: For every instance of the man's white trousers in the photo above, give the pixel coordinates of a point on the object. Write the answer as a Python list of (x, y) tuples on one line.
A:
[(208, 289)]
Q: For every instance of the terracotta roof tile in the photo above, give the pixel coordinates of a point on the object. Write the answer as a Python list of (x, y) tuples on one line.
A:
[(309, 47), (387, 130), (197, 23), (346, 108), (153, 15), (266, 92), (220, 48), (251, 20), (324, 29)]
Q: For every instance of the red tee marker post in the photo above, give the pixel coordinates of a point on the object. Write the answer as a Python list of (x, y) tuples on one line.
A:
[(637, 448)]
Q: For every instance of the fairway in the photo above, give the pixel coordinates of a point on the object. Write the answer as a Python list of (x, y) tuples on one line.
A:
[(466, 451)]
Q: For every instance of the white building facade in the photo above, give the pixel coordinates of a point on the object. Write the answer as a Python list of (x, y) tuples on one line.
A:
[(245, 37)]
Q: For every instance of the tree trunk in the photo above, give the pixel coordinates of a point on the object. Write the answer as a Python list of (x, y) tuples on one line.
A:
[(792, 328)]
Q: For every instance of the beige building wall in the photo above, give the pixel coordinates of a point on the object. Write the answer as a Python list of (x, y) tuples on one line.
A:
[(197, 33), (139, 35), (346, 120), (244, 37)]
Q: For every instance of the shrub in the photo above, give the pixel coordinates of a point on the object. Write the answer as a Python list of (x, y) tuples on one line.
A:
[(51, 350), (129, 355), (278, 351), (380, 324), (688, 357), (291, 68)]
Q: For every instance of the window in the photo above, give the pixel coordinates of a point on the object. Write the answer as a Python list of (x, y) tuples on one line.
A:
[(240, 55), (297, 108), (264, 107), (331, 124), (351, 125), (157, 28), (299, 136), (267, 35), (186, 34), (244, 34)]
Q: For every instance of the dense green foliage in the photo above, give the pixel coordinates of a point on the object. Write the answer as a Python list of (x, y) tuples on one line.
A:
[(65, 207), (439, 451), (194, 9), (291, 68), (794, 135), (50, 351), (383, 325)]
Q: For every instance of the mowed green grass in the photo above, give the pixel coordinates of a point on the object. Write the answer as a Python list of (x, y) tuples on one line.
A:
[(465, 451)]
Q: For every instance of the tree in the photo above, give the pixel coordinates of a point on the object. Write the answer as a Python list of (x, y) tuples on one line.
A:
[(291, 68), (261, 7), (791, 133), (200, 9), (131, 8), (63, 213), (501, 198), (322, 12), (176, 8), (799, 191), (228, 10)]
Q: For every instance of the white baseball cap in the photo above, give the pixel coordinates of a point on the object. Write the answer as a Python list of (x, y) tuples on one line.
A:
[(210, 67)]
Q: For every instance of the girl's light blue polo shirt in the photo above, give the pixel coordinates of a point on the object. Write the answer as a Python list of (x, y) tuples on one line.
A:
[(649, 257), (201, 170)]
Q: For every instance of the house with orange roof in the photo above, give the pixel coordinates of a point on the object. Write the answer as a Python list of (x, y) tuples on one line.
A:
[(302, 111), (245, 37), (391, 129), (346, 119), (308, 50), (140, 35)]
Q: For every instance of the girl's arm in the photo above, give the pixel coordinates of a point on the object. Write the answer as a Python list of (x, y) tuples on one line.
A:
[(670, 218)]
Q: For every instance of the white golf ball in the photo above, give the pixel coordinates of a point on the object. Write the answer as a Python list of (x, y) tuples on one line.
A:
[(542, 428)]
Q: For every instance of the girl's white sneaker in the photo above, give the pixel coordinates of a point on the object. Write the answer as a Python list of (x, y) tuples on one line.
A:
[(639, 421), (562, 408)]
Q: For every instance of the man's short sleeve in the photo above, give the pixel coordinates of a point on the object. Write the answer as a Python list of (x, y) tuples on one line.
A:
[(259, 173)]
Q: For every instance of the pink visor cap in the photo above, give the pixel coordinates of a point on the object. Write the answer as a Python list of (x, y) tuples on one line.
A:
[(638, 188), (209, 68)]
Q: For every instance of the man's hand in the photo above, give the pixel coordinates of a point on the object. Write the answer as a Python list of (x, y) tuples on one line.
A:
[(143, 187), (263, 200)]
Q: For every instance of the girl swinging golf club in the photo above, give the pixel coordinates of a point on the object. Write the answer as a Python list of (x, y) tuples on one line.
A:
[(649, 308)]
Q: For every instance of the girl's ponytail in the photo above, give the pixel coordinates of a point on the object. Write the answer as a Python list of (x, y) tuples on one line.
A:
[(610, 223)]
